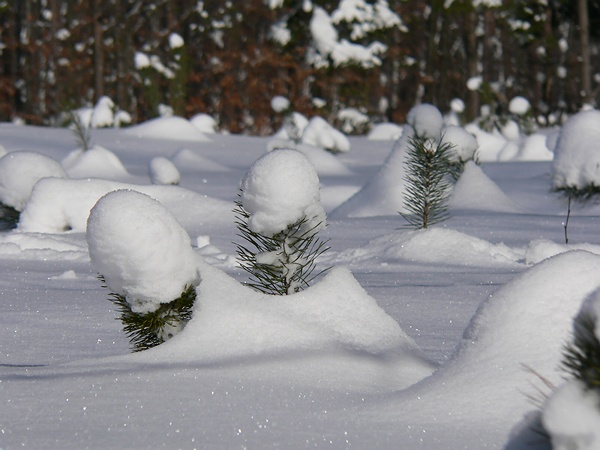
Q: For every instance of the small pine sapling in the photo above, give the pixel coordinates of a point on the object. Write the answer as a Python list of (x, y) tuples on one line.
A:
[(281, 264), (581, 358), (427, 183), (147, 330), (81, 131)]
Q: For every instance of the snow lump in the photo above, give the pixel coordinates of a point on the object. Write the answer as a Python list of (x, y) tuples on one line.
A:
[(141, 250)]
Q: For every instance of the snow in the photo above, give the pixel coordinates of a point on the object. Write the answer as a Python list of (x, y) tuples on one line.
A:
[(20, 171), (577, 153), (414, 339), (385, 132), (96, 162), (168, 128), (140, 249), (519, 106), (426, 120), (319, 133), (463, 145), (280, 189), (204, 123), (163, 171), (280, 104)]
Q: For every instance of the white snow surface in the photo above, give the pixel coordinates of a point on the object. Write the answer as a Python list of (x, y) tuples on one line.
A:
[(140, 249), (163, 171), (319, 133), (343, 364), (577, 153), (426, 120), (96, 162), (20, 171), (280, 189)]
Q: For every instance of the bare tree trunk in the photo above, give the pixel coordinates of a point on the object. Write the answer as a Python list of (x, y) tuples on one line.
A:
[(584, 37), (472, 103), (98, 50)]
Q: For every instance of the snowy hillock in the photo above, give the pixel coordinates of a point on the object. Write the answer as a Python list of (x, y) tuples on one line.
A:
[(174, 128), (187, 160), (96, 162), (20, 171), (325, 162), (431, 246), (58, 205), (474, 190), (332, 333), (525, 324)]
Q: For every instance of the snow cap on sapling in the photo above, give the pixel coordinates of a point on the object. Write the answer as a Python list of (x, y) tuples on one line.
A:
[(463, 144), (280, 104), (280, 189), (140, 249), (163, 171), (20, 171), (426, 121), (519, 106)]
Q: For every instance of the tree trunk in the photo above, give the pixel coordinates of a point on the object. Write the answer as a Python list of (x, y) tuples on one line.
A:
[(98, 50), (584, 37)]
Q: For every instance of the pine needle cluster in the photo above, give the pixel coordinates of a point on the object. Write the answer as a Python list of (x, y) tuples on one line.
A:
[(281, 264), (581, 358), (81, 131), (147, 330), (428, 182), (9, 217)]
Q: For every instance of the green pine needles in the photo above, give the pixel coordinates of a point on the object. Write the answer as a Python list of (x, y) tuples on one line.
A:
[(282, 264), (581, 358), (147, 330), (428, 182)]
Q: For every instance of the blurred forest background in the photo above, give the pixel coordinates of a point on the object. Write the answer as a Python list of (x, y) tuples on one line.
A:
[(230, 58)]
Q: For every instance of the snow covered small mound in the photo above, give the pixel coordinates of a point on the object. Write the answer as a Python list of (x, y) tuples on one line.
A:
[(542, 249), (20, 171), (335, 318), (385, 132), (204, 123), (172, 128), (298, 122), (320, 134), (187, 160), (426, 121), (571, 415), (463, 144), (163, 171), (325, 162), (533, 148), (432, 246), (96, 162), (577, 152), (58, 205), (141, 250), (474, 190), (280, 189)]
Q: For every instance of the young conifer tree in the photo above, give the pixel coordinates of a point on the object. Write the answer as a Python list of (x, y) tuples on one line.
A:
[(281, 264), (428, 182), (581, 357)]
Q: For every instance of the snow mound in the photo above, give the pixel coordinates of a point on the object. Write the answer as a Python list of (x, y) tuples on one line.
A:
[(577, 152), (320, 134), (204, 123), (297, 121), (334, 329), (490, 144), (534, 148), (187, 160), (97, 162), (171, 128), (474, 190), (32, 246), (385, 132), (485, 385), (383, 194), (141, 250), (20, 171), (542, 249), (463, 144), (58, 205), (432, 246), (280, 189), (163, 171), (325, 162)]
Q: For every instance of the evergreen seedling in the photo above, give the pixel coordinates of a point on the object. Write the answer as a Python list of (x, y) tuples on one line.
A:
[(581, 357), (281, 264), (427, 183), (81, 131), (147, 330)]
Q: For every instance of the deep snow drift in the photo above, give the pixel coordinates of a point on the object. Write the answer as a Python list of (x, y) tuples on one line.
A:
[(415, 339)]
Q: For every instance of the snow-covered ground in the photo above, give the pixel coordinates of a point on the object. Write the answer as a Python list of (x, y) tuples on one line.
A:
[(415, 339)]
